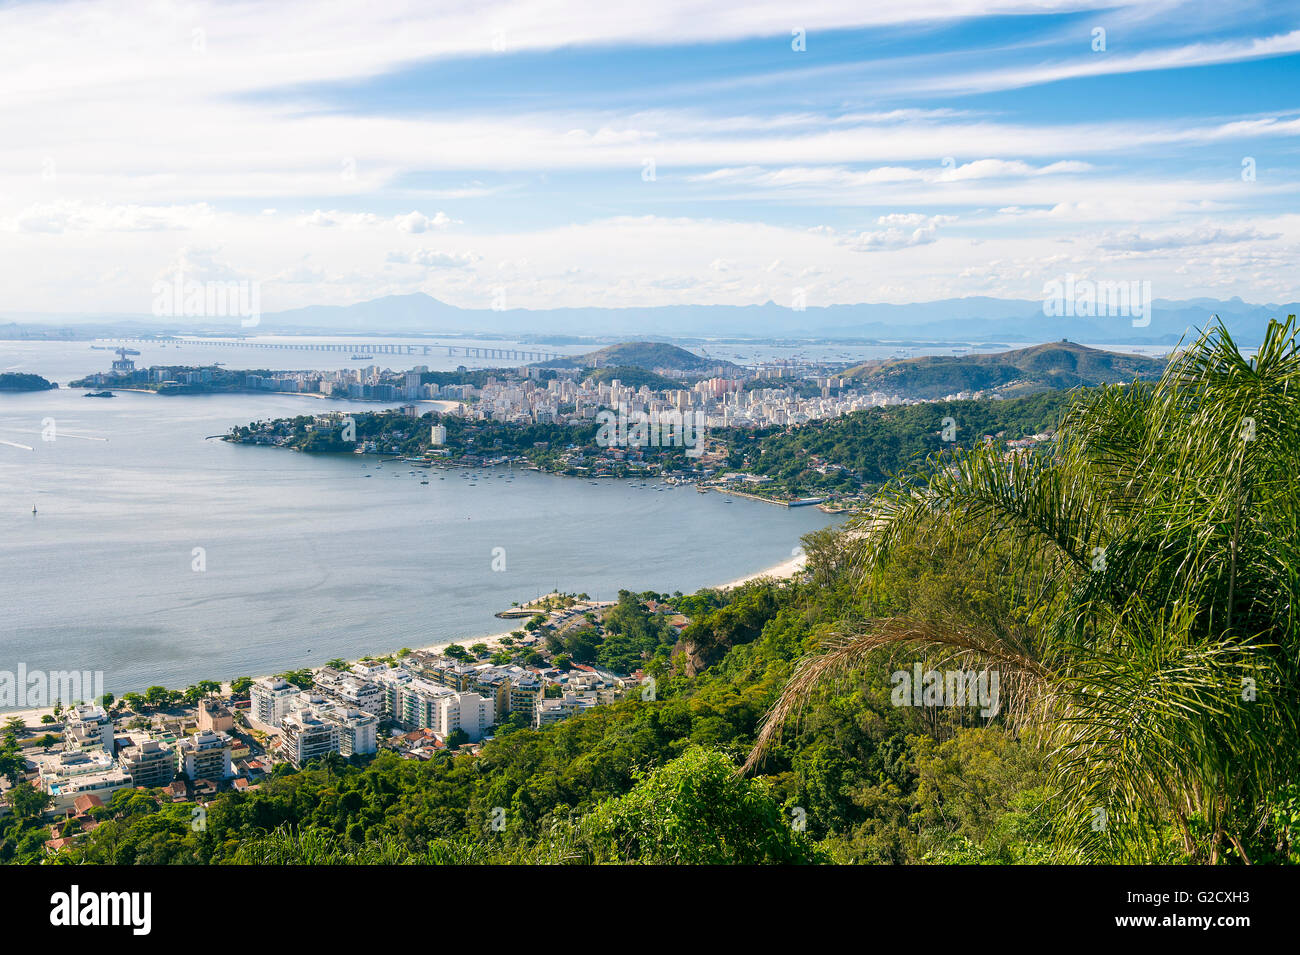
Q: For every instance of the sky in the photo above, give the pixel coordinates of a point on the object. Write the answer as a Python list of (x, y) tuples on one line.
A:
[(632, 154)]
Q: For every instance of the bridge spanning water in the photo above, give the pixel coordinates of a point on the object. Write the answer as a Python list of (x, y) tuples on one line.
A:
[(358, 348)]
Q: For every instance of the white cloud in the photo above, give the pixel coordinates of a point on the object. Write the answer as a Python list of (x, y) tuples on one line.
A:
[(71, 216), (434, 259), (418, 222), (1134, 241), (904, 230)]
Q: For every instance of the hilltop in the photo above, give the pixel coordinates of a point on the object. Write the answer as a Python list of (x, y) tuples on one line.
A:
[(1056, 365), (648, 356)]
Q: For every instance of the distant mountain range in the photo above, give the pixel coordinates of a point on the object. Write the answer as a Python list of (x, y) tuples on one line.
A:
[(975, 320), (1051, 366)]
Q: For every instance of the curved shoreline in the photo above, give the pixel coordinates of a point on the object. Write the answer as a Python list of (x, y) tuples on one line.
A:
[(782, 571)]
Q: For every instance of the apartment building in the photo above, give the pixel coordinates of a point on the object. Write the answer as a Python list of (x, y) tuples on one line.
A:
[(205, 755), (65, 776), (270, 698), (358, 730), (352, 690), (148, 761), (420, 704), (570, 704), (86, 726), (307, 736), (215, 717), (526, 691)]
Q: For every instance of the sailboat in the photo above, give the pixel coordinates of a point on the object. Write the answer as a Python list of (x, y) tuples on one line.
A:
[(33, 508)]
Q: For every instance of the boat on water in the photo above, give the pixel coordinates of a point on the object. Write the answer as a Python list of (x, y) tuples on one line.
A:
[(362, 358)]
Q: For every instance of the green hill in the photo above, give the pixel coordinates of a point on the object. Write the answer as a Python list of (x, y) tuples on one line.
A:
[(649, 356), (15, 381), (1055, 365)]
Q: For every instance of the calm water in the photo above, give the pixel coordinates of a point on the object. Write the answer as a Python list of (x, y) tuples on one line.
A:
[(307, 558), (66, 361)]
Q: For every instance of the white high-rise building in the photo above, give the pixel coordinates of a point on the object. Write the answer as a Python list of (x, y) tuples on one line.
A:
[(205, 755), (356, 729), (88, 727), (308, 737), (271, 697), (424, 705)]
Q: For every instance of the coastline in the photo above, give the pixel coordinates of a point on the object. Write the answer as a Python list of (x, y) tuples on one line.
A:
[(441, 405), (782, 571)]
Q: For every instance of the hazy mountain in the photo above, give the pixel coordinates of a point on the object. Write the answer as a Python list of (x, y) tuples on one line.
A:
[(961, 319), (975, 319)]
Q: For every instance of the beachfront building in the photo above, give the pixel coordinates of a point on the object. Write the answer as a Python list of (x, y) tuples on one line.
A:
[(148, 761), (205, 755), (307, 736), (354, 690), (88, 727), (420, 704), (65, 776), (526, 691), (493, 682), (357, 730), (270, 698), (215, 717)]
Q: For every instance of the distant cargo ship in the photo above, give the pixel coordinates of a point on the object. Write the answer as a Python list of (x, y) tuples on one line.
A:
[(363, 357)]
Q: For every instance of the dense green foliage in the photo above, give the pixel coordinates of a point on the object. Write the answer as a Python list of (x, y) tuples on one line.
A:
[(1151, 641), (19, 381), (1057, 365), (868, 448)]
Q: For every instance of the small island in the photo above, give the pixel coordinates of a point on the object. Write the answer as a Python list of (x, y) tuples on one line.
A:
[(17, 381)]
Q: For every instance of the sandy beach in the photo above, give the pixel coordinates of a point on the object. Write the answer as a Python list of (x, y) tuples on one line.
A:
[(782, 571)]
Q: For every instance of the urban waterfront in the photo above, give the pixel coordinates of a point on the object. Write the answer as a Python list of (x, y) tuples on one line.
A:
[(304, 557)]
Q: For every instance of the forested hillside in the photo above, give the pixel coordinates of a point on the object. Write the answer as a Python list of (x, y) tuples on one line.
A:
[(867, 448), (1055, 365)]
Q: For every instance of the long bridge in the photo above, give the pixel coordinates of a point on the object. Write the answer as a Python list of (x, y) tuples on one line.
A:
[(360, 348)]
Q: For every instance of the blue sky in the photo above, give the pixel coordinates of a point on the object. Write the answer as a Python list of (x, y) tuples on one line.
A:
[(625, 154)]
